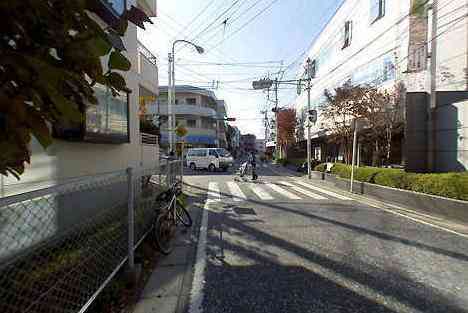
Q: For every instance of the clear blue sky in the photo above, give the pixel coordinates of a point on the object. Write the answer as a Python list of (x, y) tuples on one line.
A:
[(281, 33)]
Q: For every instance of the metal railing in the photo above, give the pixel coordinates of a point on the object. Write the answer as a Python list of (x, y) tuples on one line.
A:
[(60, 246)]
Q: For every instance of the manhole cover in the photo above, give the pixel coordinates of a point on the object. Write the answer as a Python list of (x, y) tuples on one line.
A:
[(245, 211)]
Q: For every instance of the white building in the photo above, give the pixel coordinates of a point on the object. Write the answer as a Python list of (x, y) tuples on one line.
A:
[(381, 42), (199, 111), (109, 139)]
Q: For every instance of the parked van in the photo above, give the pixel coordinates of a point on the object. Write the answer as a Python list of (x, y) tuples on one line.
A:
[(209, 158)]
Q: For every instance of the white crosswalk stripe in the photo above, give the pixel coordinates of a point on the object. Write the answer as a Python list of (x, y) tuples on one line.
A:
[(284, 192), (324, 191), (236, 192), (260, 192), (213, 192), (303, 191)]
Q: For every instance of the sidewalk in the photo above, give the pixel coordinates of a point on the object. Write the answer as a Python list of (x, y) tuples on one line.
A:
[(387, 205), (168, 288)]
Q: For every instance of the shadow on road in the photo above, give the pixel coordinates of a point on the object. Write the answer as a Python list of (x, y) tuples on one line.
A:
[(269, 286)]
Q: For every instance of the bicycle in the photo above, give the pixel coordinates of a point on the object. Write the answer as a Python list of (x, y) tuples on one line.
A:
[(169, 218)]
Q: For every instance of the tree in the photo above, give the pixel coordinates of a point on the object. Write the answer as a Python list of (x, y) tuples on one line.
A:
[(340, 108), (286, 127), (50, 58)]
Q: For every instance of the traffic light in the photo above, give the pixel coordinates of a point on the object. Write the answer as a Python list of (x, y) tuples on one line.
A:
[(313, 116)]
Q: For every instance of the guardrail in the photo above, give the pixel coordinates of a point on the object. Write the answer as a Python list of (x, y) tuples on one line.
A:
[(60, 246)]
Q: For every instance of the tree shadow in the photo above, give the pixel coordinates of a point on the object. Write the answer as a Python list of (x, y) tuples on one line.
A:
[(272, 286), (358, 229)]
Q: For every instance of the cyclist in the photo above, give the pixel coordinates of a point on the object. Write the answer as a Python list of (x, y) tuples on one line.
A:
[(253, 164)]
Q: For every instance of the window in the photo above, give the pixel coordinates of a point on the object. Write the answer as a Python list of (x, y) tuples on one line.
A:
[(176, 101), (191, 101), (213, 153), (105, 122), (377, 10), (348, 31), (192, 123)]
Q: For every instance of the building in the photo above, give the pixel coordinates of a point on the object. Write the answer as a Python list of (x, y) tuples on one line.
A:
[(109, 138), (260, 146), (247, 143), (385, 43), (199, 111)]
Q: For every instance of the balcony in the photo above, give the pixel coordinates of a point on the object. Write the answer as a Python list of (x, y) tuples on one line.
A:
[(185, 109), (147, 69), (148, 6)]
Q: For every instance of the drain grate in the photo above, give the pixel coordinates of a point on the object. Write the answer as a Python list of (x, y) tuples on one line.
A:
[(244, 211)]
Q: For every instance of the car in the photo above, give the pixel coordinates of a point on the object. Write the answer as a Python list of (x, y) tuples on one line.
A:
[(209, 158)]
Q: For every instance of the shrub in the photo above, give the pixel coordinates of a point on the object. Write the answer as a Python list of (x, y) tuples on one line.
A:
[(321, 167), (342, 170), (282, 162), (296, 162), (449, 185), (392, 178)]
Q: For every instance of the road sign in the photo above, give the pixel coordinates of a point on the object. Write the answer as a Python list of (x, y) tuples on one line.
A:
[(231, 119), (262, 84)]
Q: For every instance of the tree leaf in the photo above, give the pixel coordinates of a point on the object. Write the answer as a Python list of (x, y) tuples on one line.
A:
[(40, 130), (117, 81), (137, 17), (114, 39), (118, 61), (99, 46)]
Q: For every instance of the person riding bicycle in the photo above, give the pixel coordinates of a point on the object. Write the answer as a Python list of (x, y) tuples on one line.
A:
[(253, 164)]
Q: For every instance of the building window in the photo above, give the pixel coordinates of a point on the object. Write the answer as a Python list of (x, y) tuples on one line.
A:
[(192, 123), (377, 10), (348, 32), (191, 101), (105, 122), (176, 101)]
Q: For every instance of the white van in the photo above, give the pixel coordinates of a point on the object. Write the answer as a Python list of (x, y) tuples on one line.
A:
[(209, 158)]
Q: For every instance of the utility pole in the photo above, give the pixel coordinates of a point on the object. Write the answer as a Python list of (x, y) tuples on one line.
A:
[(431, 142), (309, 148), (169, 101), (276, 116)]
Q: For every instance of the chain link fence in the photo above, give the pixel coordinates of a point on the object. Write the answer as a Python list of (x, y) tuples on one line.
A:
[(60, 246)]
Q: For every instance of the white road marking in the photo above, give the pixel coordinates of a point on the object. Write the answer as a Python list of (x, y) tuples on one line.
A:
[(196, 294), (213, 192), (236, 192), (303, 191), (265, 166), (330, 193), (284, 192), (261, 193)]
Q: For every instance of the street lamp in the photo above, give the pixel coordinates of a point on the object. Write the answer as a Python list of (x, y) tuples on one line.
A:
[(171, 87)]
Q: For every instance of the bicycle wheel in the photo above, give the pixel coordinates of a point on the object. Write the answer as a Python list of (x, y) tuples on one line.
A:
[(183, 215), (163, 231)]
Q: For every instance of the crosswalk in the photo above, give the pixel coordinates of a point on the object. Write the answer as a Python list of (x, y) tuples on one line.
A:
[(269, 191)]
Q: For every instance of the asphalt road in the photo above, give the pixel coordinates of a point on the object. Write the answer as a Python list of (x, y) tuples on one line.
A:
[(278, 245)]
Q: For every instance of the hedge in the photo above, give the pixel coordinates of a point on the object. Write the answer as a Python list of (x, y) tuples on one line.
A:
[(450, 185)]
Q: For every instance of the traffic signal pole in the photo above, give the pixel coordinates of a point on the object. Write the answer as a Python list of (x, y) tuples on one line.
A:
[(309, 148)]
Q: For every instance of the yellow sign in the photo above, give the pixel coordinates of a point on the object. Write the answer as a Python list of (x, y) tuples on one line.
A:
[(181, 131)]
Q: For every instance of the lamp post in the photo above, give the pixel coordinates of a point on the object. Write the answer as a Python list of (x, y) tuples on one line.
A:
[(171, 88)]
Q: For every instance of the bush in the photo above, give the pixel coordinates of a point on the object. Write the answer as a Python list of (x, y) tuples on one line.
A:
[(342, 170), (321, 167), (296, 162), (449, 185), (282, 162)]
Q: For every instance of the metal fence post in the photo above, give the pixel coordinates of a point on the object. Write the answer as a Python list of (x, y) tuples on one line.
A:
[(131, 219)]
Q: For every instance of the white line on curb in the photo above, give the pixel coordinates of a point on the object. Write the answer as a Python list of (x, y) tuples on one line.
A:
[(196, 294)]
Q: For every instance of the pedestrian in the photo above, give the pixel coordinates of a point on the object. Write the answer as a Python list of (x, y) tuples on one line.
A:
[(253, 164)]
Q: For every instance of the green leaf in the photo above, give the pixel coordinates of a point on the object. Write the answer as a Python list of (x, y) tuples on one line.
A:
[(40, 130), (117, 81), (99, 46), (121, 27), (66, 107), (118, 61)]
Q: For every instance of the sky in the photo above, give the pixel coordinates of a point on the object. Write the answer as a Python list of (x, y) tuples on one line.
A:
[(244, 40)]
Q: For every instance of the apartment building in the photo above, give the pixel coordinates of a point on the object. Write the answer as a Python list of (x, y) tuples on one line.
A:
[(199, 111), (385, 43), (109, 138)]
